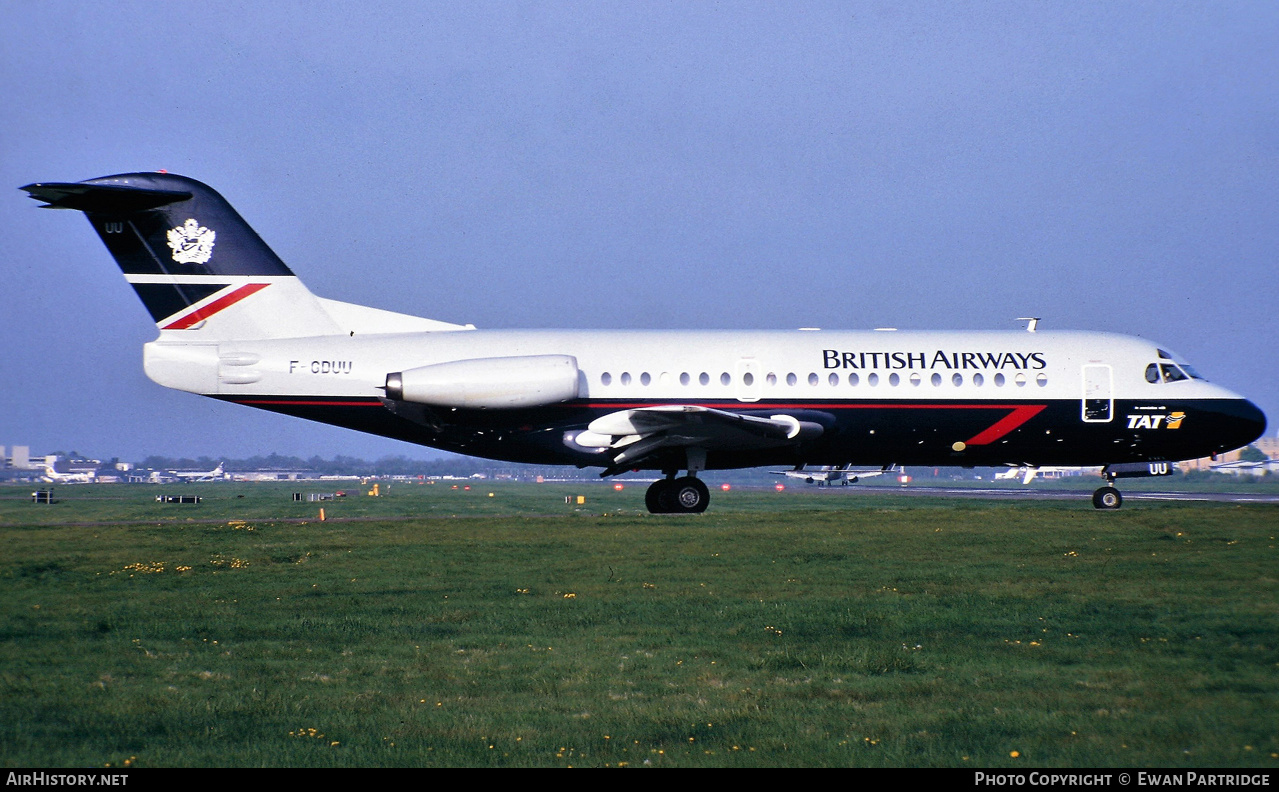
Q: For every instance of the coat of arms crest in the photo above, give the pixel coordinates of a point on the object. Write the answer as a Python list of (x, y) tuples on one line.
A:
[(191, 242)]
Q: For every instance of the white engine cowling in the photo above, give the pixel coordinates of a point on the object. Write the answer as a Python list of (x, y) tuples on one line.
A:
[(488, 383)]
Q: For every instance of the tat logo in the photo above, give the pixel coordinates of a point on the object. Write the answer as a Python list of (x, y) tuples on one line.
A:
[(1156, 421), (191, 242)]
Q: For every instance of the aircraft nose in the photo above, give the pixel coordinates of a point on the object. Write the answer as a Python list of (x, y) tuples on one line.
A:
[(1247, 423)]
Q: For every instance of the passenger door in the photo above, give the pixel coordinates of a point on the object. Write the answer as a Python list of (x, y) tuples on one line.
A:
[(1098, 401)]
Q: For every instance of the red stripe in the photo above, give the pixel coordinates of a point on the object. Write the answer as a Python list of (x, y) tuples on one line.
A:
[(737, 405), (1009, 422), (305, 403), (225, 301), (1018, 415)]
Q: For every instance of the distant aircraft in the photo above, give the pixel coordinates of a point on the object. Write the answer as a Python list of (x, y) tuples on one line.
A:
[(827, 475), (199, 475), (1028, 473), (236, 324), (55, 477)]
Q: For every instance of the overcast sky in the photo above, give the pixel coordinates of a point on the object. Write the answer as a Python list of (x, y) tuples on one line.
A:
[(1109, 166)]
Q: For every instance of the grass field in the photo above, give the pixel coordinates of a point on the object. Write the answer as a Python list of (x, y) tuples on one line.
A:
[(441, 627)]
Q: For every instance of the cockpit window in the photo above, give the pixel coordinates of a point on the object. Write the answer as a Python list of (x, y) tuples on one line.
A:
[(1172, 373), (1169, 370)]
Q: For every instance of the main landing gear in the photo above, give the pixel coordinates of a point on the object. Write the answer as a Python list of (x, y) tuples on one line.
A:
[(687, 495)]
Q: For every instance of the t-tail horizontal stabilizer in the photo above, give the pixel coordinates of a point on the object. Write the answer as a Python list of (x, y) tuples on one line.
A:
[(193, 261), (199, 268)]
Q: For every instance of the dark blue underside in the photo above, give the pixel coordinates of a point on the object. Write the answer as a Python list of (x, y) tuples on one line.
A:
[(861, 433)]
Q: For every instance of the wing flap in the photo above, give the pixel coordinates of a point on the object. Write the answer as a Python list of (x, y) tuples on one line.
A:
[(700, 421), (630, 436)]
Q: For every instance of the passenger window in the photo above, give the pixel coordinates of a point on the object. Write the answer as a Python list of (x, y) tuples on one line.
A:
[(771, 378), (724, 379), (1041, 380), (626, 378), (957, 380), (704, 379), (999, 380), (915, 380), (833, 379), (645, 379), (978, 380), (684, 379), (606, 378), (872, 379), (791, 379), (1152, 373), (936, 380), (852, 379), (747, 379), (1020, 379), (812, 379), (893, 379)]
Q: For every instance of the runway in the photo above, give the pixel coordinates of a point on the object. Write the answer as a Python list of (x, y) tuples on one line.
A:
[(1030, 493)]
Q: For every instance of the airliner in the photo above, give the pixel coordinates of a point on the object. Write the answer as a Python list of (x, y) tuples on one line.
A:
[(216, 474), (234, 323), (1028, 474), (54, 477), (827, 475)]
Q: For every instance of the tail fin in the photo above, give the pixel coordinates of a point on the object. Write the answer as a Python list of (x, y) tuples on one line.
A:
[(191, 258)]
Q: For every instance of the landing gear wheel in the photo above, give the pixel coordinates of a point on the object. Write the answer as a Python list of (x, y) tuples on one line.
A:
[(658, 497), (1107, 498), (689, 495)]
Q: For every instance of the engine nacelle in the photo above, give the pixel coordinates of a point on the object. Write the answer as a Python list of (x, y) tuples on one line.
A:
[(797, 429), (488, 383)]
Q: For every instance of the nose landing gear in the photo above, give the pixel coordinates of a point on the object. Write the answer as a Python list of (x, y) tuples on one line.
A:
[(1107, 498)]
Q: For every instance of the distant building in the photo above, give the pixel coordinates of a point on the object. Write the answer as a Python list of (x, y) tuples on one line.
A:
[(1247, 468), (1206, 463), (1266, 445), (20, 458)]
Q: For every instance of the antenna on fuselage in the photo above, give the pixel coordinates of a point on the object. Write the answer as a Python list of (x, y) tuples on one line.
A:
[(1031, 322)]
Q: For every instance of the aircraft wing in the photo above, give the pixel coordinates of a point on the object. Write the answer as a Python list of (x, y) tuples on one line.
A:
[(631, 435), (803, 475), (837, 473), (853, 475)]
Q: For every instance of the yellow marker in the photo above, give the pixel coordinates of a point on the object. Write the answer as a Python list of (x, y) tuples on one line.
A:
[(321, 515)]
